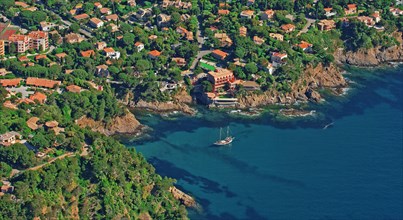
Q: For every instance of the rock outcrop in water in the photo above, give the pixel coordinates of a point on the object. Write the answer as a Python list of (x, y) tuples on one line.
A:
[(372, 57), (180, 102), (126, 124), (305, 89), (184, 198)]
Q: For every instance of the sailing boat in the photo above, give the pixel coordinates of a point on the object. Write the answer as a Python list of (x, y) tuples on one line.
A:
[(226, 141)]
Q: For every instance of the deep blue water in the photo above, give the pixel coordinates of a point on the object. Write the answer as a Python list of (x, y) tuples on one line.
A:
[(295, 169)]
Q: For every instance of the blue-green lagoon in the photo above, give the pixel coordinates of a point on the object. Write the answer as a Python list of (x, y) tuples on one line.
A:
[(292, 169)]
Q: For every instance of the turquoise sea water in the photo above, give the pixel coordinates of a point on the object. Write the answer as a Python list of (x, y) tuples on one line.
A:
[(295, 169)]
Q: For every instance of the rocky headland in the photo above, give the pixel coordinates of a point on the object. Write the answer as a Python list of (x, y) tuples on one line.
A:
[(127, 124), (304, 89), (180, 102), (374, 56)]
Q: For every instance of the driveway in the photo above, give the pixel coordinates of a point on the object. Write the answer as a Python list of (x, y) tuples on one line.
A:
[(22, 89), (307, 25)]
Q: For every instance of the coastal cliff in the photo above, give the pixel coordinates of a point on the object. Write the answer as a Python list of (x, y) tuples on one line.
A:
[(374, 56), (184, 198), (180, 102), (305, 89), (127, 124)]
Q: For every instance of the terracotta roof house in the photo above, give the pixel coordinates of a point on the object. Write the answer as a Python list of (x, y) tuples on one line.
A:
[(223, 11), (287, 28), (225, 40), (97, 5), (87, 53), (46, 26), (243, 31), (154, 54), (247, 14), (257, 40), (74, 88), (266, 15), (40, 57), (81, 17), (139, 46), (220, 77), (39, 82), (366, 20), (113, 17), (101, 45), (8, 104), (111, 53), (96, 23), (8, 139), (61, 56), (38, 96), (23, 59), (278, 58), (73, 38), (329, 12), (10, 82), (219, 54), (351, 9), (26, 101), (21, 4), (377, 16), (152, 37), (185, 33), (279, 37), (114, 27), (102, 70), (106, 11), (32, 123), (163, 20), (51, 124), (326, 25), (179, 61), (305, 46)]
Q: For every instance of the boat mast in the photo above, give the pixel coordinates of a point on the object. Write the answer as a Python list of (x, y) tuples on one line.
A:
[(227, 131), (220, 133)]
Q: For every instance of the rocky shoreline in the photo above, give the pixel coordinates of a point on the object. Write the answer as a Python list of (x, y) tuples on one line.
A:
[(127, 124), (304, 90), (374, 56)]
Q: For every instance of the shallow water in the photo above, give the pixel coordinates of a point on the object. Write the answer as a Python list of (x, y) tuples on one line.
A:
[(293, 169)]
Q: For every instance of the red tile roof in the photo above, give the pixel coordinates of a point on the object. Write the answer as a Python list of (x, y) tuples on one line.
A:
[(38, 96), (73, 88), (81, 16), (10, 82), (61, 55), (113, 17), (304, 45), (109, 50), (154, 53), (52, 124), (220, 53), (87, 53), (223, 12), (23, 58), (32, 81), (40, 56)]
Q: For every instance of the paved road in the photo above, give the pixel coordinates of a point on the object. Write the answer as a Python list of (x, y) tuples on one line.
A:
[(199, 55), (69, 154), (68, 23), (307, 25)]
